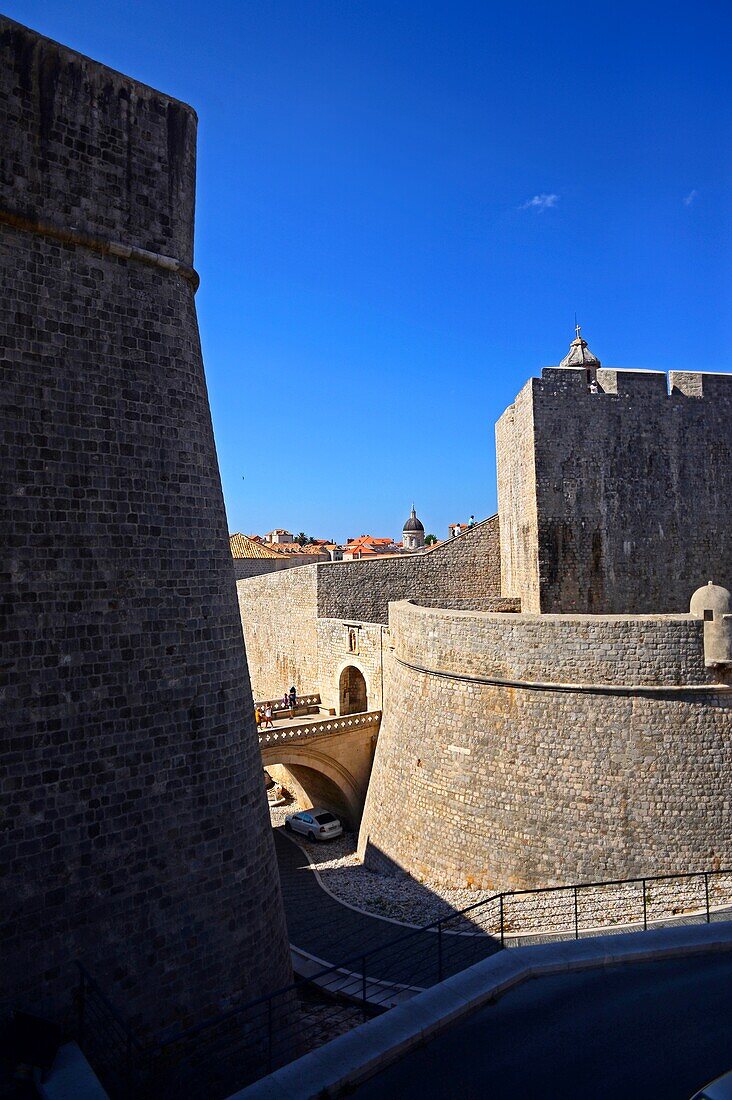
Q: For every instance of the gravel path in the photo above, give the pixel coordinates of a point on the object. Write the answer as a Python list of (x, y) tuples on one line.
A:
[(402, 898), (399, 897)]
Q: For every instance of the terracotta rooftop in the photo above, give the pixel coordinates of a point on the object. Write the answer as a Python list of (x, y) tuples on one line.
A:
[(244, 547), (369, 540)]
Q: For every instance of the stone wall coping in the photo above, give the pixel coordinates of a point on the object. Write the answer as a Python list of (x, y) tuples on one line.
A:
[(76, 55), (549, 619)]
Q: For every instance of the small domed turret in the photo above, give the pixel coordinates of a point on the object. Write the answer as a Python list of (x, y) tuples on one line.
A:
[(711, 597), (579, 355), (713, 604)]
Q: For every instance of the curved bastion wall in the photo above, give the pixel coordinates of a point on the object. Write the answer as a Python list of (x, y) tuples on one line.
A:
[(528, 750)]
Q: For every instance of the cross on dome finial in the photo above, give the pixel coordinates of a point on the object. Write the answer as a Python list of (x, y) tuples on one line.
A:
[(579, 354)]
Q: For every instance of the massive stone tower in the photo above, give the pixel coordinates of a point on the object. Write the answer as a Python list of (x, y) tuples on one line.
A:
[(136, 832), (614, 488)]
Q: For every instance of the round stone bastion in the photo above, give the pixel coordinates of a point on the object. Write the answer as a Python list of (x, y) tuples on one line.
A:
[(519, 750)]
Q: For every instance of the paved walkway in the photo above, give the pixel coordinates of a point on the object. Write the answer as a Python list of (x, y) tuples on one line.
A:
[(578, 1046), (302, 720), (323, 927), (335, 933), (658, 1031)]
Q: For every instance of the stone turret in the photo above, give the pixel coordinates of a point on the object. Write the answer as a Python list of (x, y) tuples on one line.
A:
[(137, 839), (579, 355), (713, 604)]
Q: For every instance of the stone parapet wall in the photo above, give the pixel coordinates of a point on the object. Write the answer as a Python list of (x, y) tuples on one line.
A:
[(279, 617), (511, 785), (591, 650), (259, 567), (467, 566)]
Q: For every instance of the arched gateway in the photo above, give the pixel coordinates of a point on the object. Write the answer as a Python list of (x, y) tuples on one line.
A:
[(325, 763), (352, 692)]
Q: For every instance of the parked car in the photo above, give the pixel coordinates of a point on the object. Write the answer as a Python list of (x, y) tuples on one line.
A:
[(718, 1089), (315, 824)]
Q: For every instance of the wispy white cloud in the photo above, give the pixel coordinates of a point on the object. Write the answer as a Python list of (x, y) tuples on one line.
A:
[(690, 198), (540, 202)]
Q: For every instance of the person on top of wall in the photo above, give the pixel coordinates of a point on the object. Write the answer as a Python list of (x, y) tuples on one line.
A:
[(293, 699)]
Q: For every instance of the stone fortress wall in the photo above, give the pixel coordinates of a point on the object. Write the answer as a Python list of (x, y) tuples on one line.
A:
[(296, 624), (584, 732), (616, 501), (525, 750), (258, 567), (279, 617), (548, 748), (467, 565), (138, 837)]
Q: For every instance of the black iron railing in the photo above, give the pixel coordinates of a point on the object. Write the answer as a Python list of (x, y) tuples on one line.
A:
[(110, 1045), (249, 1041)]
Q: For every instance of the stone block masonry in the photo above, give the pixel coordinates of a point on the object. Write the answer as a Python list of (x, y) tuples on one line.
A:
[(468, 566), (616, 501), (279, 616), (136, 835), (296, 623), (549, 749)]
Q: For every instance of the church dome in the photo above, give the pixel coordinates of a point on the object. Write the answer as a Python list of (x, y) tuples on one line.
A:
[(413, 524)]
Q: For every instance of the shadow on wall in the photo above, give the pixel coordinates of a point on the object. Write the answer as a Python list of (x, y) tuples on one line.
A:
[(340, 924), (309, 787)]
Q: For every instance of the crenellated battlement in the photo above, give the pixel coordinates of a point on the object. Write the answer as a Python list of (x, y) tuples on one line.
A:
[(635, 383), (614, 488)]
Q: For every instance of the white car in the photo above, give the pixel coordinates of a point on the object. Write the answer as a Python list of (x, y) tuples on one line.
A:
[(718, 1089), (314, 824)]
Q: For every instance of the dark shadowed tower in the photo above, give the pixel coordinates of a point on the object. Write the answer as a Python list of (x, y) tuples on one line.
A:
[(136, 831)]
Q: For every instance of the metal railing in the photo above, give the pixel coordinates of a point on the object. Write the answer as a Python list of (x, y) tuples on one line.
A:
[(109, 1043), (239, 1046)]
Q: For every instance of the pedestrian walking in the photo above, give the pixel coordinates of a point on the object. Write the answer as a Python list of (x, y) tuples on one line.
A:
[(268, 717), (293, 699), (257, 717)]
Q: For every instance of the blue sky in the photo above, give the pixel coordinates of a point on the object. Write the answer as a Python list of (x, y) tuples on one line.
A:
[(376, 281)]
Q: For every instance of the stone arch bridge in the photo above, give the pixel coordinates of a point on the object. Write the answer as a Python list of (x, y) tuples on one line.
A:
[(327, 760)]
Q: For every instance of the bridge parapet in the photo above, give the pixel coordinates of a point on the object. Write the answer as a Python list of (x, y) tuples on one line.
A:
[(300, 701), (307, 730)]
